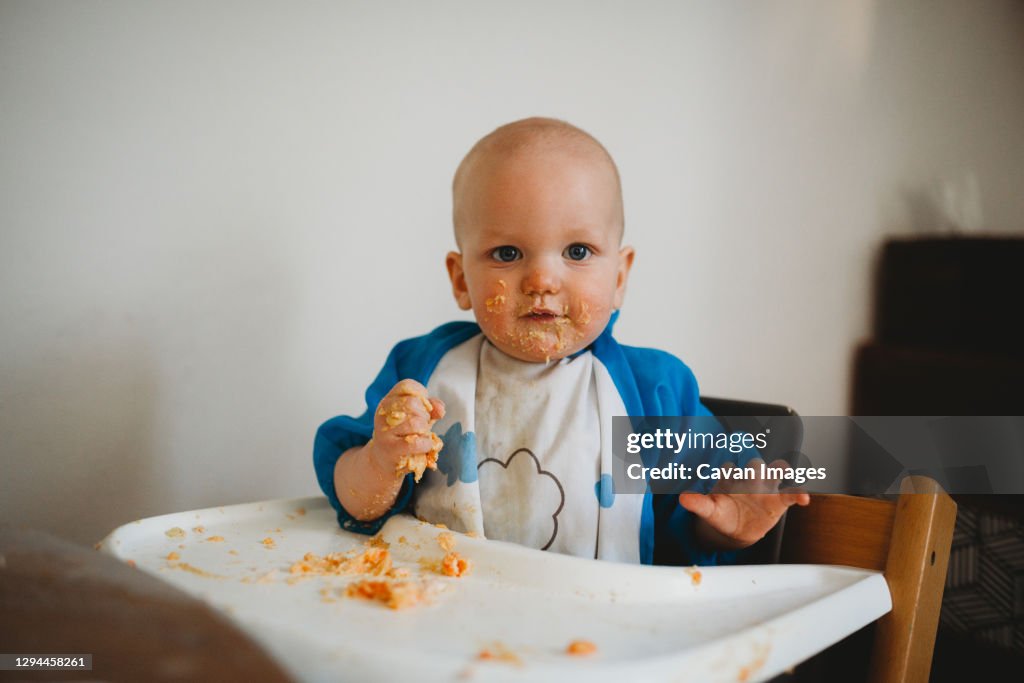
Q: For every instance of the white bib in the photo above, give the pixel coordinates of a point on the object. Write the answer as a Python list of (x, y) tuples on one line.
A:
[(527, 455)]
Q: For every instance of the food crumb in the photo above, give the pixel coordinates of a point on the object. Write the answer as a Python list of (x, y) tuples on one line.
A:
[(216, 539), (375, 561), (185, 566), (760, 657), (454, 564), (499, 652), (232, 552), (695, 575), (376, 541), (264, 578), (268, 543), (580, 648), (199, 529), (394, 594), (300, 511), (175, 532), (446, 541), (97, 546), (131, 563), (171, 556)]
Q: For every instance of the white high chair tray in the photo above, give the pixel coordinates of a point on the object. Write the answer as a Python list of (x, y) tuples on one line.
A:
[(744, 623)]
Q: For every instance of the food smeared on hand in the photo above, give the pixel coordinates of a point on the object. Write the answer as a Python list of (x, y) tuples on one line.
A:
[(399, 408), (417, 463)]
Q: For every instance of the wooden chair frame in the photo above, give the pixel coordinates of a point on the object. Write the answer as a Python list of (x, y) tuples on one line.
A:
[(908, 540)]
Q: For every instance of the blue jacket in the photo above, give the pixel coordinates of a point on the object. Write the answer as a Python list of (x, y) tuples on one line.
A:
[(651, 382)]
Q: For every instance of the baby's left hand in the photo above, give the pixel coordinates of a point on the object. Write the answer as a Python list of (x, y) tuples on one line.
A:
[(739, 512)]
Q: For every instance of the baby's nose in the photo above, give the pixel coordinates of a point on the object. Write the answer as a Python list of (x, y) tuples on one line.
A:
[(540, 280)]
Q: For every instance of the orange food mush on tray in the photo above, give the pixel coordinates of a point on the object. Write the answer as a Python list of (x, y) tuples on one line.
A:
[(499, 652), (695, 575), (454, 564), (394, 594), (446, 541), (580, 648), (374, 561)]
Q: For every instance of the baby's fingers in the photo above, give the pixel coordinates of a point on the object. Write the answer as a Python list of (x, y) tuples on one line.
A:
[(404, 414), (697, 503), (795, 496), (415, 391), (421, 443), (436, 409), (409, 387)]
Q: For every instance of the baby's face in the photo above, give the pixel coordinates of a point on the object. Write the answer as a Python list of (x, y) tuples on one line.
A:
[(541, 265)]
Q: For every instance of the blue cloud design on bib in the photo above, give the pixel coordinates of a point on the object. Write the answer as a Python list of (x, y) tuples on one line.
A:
[(457, 458), (604, 489)]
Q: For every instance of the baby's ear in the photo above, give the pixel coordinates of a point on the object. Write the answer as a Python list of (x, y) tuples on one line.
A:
[(458, 277), (626, 255)]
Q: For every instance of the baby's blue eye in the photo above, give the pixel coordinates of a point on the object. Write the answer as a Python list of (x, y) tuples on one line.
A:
[(506, 254), (576, 252)]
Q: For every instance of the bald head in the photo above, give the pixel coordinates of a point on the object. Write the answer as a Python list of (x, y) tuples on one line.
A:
[(523, 139)]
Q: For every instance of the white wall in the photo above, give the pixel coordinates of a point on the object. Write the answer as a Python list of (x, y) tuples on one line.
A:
[(215, 218)]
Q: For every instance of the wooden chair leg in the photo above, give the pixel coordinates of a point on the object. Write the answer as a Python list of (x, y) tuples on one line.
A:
[(916, 572)]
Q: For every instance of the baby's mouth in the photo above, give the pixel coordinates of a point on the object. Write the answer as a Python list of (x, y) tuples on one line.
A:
[(543, 315)]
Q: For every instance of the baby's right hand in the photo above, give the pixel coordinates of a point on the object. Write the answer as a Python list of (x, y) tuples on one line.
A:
[(402, 441)]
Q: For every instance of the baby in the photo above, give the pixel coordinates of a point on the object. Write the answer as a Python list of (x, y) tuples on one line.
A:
[(523, 398)]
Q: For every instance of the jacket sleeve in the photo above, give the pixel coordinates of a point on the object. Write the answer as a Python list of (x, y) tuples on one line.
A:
[(337, 435), (410, 359), (667, 387)]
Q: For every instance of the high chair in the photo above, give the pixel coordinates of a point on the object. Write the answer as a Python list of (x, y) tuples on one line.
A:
[(908, 540)]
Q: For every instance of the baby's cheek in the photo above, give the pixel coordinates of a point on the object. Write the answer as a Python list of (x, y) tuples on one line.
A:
[(495, 304), (587, 312), (494, 325), (495, 299)]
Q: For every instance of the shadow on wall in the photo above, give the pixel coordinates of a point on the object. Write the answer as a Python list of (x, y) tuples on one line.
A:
[(77, 441), (950, 206)]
